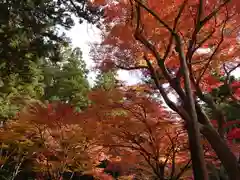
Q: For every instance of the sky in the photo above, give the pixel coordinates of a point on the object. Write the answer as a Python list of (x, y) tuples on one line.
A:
[(82, 35)]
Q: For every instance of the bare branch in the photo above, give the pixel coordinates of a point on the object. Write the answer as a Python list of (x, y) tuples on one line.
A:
[(208, 99), (198, 26), (199, 14), (173, 82), (213, 13), (132, 68), (155, 16), (204, 40), (159, 86)]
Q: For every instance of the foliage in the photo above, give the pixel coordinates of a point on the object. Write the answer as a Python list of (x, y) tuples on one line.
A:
[(143, 135), (15, 93), (140, 137), (29, 37), (38, 63), (28, 31), (46, 141), (67, 82), (185, 48), (182, 44), (106, 80)]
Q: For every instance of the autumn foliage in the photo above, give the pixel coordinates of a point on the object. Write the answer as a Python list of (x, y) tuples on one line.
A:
[(141, 132), (53, 140), (44, 141), (136, 133)]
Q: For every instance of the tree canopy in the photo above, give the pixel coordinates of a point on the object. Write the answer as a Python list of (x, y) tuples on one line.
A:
[(31, 43)]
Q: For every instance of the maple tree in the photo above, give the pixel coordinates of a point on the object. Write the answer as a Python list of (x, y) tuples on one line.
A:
[(181, 43), (140, 132), (45, 142)]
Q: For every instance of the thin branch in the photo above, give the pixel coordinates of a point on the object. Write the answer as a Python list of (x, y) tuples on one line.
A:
[(173, 149), (208, 99), (144, 153), (173, 82), (199, 14), (174, 28), (228, 73), (212, 55), (148, 160), (159, 86), (144, 41), (204, 40), (132, 68), (150, 133), (155, 16), (173, 164), (186, 167), (198, 26), (213, 13)]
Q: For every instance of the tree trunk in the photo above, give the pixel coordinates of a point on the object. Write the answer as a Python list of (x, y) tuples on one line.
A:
[(223, 152), (199, 168), (194, 136)]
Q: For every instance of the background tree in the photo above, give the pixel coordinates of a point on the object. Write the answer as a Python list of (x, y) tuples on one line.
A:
[(106, 80), (67, 82), (28, 30), (44, 142), (29, 35)]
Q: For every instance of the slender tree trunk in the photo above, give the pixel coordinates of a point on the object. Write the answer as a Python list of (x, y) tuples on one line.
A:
[(194, 136), (17, 169), (161, 169)]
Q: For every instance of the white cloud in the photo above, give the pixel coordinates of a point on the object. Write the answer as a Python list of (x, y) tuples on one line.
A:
[(236, 73), (203, 50), (130, 78), (81, 35)]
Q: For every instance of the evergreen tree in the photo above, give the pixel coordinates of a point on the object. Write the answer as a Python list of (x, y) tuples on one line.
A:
[(106, 80), (28, 31), (67, 81), (28, 39)]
